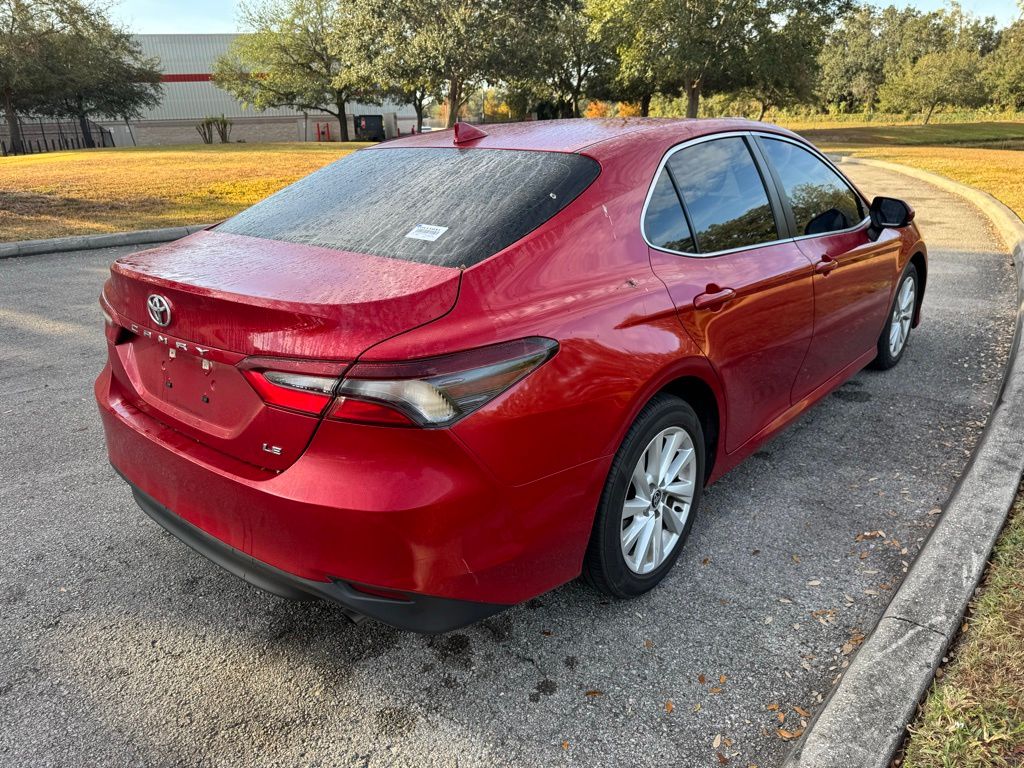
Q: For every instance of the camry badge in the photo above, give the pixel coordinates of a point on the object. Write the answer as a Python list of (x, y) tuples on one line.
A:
[(159, 309)]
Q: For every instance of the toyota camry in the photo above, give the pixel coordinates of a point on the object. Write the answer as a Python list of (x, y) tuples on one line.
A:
[(448, 373)]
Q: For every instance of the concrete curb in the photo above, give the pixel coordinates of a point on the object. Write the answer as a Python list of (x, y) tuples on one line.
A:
[(864, 720), (90, 242)]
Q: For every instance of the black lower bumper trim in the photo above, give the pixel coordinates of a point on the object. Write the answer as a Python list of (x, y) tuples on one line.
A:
[(419, 613)]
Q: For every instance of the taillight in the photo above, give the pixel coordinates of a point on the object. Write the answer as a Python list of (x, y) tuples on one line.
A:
[(438, 391), (299, 385), (110, 327)]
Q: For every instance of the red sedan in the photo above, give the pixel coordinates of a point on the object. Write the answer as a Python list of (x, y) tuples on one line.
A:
[(451, 372)]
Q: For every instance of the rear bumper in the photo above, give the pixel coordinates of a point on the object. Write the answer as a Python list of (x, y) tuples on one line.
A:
[(420, 613), (404, 510)]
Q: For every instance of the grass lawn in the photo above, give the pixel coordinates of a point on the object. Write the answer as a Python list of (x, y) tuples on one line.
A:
[(1000, 172), (113, 190), (974, 714), (988, 156), (988, 134)]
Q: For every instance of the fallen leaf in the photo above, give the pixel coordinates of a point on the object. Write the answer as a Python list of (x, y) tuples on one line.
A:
[(669, 706), (772, 707), (814, 583), (722, 759), (648, 644), (565, 745), (594, 692), (717, 742), (781, 716), (701, 679), (716, 689), (789, 735), (722, 679), (796, 558), (801, 711), (870, 535)]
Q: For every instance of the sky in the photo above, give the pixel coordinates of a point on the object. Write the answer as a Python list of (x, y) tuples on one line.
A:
[(197, 16)]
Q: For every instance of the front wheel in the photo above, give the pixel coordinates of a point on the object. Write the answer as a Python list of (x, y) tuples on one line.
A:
[(649, 501), (893, 340)]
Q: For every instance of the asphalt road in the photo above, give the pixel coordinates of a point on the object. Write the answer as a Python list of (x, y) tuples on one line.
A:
[(119, 645)]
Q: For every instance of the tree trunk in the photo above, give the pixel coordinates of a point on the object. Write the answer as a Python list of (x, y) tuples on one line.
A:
[(417, 104), (342, 118), (692, 98), (764, 108), (929, 115), (454, 100), (12, 123), (645, 105), (83, 123)]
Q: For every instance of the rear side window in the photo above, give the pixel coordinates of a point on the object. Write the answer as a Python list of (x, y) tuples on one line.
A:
[(724, 194), (821, 201), (449, 207), (665, 223)]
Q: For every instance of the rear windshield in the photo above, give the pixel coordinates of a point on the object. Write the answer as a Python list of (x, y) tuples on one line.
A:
[(449, 207)]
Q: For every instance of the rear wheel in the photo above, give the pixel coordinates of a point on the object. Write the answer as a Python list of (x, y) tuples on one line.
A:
[(894, 337), (649, 501)]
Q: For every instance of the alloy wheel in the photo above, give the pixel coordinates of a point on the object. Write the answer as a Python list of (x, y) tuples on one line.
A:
[(658, 500), (902, 315)]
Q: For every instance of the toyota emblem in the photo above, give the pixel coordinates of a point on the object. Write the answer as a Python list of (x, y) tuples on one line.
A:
[(159, 309)]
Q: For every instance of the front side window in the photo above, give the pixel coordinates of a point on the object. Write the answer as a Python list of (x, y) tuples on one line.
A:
[(821, 201), (724, 194), (665, 223)]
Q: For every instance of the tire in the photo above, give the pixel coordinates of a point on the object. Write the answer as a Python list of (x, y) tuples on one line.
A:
[(614, 566), (892, 343)]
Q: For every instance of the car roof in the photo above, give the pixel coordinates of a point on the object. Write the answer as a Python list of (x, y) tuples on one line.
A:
[(576, 135)]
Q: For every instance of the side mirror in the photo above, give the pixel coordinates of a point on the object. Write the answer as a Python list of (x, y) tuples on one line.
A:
[(890, 213)]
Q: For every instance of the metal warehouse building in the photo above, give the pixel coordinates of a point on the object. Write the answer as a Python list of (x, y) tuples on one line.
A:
[(189, 95)]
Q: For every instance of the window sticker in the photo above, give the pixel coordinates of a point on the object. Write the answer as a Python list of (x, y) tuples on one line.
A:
[(427, 232)]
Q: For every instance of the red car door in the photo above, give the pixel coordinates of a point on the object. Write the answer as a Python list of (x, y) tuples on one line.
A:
[(741, 290), (853, 275)]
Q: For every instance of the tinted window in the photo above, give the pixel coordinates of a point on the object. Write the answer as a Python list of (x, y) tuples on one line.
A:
[(450, 207), (665, 224), (724, 195), (821, 201)]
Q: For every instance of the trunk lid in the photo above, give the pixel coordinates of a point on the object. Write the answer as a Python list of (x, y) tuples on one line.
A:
[(231, 297)]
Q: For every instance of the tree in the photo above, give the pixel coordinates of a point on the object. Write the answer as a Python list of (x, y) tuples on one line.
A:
[(674, 46), (782, 52), (298, 53), (386, 37), (569, 56), (98, 70), (1004, 69), (458, 45), (872, 48), (25, 28), (946, 78), (64, 58)]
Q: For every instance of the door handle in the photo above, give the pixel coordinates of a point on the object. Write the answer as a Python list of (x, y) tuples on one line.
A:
[(713, 298), (826, 265)]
